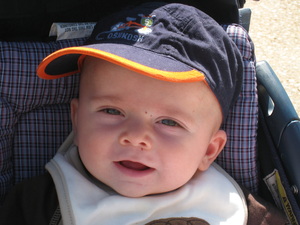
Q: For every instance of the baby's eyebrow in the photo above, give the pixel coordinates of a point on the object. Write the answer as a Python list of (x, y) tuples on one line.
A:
[(165, 109), (109, 98), (177, 112)]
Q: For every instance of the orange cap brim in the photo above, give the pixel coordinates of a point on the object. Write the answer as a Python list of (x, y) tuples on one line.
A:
[(190, 75)]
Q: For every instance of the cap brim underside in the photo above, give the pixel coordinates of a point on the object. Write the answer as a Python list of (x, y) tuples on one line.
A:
[(68, 61)]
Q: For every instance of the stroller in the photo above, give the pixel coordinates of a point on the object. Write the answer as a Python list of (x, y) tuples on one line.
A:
[(263, 128)]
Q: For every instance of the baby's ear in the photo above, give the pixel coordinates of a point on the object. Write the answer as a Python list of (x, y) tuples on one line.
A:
[(74, 110), (214, 148)]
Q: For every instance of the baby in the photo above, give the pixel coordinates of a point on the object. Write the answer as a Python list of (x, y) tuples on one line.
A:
[(140, 135), (156, 83)]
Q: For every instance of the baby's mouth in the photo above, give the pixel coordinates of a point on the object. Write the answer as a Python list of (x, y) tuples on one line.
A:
[(134, 165)]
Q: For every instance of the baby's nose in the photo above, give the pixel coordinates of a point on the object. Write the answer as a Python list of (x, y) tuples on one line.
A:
[(142, 145), (137, 136)]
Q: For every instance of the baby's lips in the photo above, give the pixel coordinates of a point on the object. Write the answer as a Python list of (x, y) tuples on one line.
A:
[(134, 165)]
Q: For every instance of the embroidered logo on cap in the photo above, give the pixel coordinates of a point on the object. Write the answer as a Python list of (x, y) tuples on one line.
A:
[(131, 30)]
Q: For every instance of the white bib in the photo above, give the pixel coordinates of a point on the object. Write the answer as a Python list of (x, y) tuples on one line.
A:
[(211, 195)]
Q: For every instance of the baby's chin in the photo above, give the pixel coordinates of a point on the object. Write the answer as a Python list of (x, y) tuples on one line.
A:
[(133, 193), (137, 194)]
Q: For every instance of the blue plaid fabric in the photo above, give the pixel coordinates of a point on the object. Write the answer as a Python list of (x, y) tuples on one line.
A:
[(239, 157), (35, 113)]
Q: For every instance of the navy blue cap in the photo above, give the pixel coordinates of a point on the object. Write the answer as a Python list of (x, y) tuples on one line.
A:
[(171, 42)]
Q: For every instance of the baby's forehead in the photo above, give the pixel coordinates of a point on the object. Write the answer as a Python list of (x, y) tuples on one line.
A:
[(94, 68)]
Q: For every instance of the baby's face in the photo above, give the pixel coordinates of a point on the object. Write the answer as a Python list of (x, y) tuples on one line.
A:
[(140, 135)]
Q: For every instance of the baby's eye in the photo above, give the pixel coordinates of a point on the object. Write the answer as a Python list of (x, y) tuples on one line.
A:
[(111, 111), (170, 123)]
